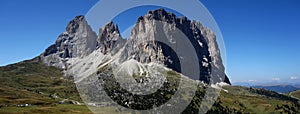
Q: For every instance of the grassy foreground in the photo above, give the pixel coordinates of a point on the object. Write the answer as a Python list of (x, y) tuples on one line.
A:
[(43, 87), (38, 86), (55, 109), (31, 82)]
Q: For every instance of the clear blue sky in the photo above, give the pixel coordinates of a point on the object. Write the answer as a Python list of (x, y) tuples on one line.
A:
[(262, 37)]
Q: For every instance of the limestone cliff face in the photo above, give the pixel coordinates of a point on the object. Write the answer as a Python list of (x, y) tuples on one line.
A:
[(143, 45)]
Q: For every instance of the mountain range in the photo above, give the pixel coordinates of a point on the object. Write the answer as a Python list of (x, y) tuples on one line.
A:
[(278, 88), (79, 41)]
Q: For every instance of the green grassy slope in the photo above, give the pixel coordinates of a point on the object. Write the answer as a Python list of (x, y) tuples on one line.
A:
[(42, 86), (54, 109), (248, 100), (296, 94), (32, 82)]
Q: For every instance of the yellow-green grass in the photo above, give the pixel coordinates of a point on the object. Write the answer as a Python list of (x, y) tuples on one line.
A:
[(296, 94), (54, 109), (246, 101), (32, 82)]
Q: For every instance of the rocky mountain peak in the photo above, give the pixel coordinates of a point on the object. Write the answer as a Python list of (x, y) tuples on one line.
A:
[(108, 31), (160, 14), (109, 37), (77, 41), (163, 15), (109, 28), (73, 25), (159, 21)]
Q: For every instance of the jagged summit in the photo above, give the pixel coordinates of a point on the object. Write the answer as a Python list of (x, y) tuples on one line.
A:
[(109, 28), (79, 40), (109, 37), (163, 15), (159, 14), (73, 25)]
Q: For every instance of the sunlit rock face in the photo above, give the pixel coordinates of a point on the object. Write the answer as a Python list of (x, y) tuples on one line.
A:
[(77, 41)]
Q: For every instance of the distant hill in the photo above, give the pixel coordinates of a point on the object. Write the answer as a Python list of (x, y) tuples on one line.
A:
[(295, 94), (279, 88), (244, 100)]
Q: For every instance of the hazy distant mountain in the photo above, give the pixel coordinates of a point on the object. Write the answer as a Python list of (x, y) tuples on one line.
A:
[(278, 88), (287, 81)]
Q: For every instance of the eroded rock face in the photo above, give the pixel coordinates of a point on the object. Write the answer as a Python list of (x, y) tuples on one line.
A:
[(79, 41)]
